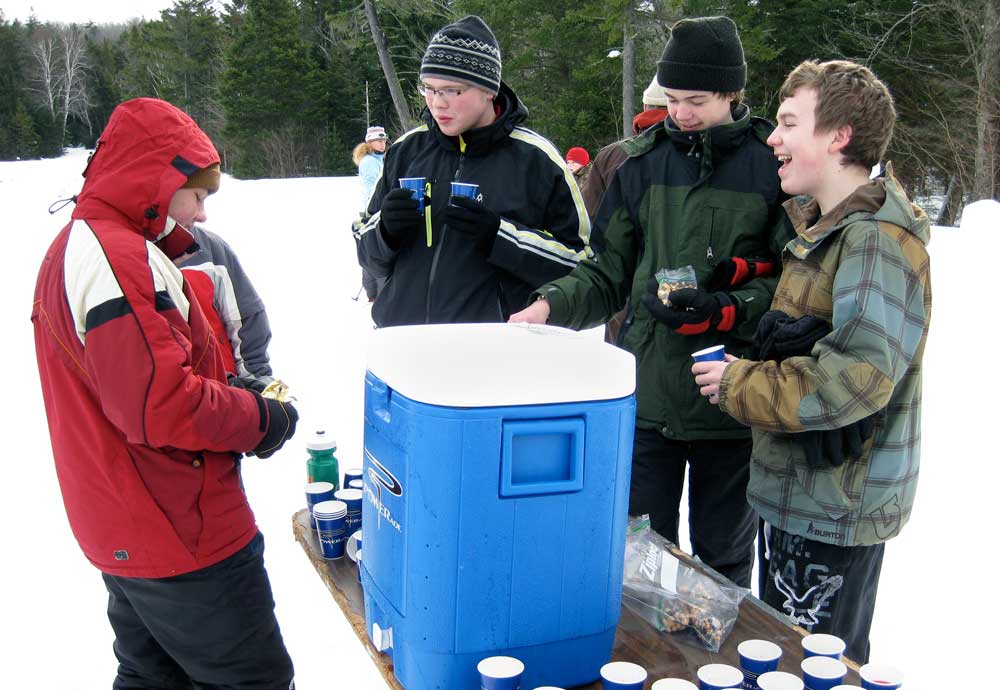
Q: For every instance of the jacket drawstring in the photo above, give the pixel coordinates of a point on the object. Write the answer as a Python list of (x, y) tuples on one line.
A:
[(59, 204)]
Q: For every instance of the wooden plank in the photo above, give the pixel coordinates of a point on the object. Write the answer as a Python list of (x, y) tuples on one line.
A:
[(662, 655)]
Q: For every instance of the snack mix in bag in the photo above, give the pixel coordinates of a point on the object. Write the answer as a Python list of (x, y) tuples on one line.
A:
[(671, 279), (673, 596)]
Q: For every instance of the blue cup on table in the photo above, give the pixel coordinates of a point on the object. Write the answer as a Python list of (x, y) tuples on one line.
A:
[(823, 644), (416, 185), (719, 677), (716, 353), (352, 474), (331, 527), (673, 684), (317, 492), (822, 672), (757, 657), (465, 189), (352, 498), (622, 675), (358, 484), (779, 680), (880, 677), (500, 673)]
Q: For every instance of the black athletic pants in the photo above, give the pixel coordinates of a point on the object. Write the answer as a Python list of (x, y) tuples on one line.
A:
[(721, 522), (825, 588), (211, 629)]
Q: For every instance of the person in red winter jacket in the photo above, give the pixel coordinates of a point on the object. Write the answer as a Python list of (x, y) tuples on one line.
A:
[(146, 434)]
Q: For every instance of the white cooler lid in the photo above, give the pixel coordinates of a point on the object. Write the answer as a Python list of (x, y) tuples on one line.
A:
[(499, 364)]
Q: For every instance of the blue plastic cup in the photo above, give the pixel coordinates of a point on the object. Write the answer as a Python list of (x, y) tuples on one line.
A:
[(331, 526), (354, 545), (465, 189), (622, 675), (779, 680), (757, 657), (358, 484), (716, 353), (673, 684), (351, 498), (822, 672), (317, 492), (822, 644), (880, 677), (500, 673), (719, 677), (352, 474), (416, 184)]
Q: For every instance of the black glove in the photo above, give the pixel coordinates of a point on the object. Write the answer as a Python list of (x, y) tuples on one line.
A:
[(277, 421), (833, 447), (249, 383), (733, 272), (472, 218), (401, 221), (691, 311), (778, 336)]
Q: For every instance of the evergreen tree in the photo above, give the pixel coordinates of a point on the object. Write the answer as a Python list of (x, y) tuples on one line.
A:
[(265, 93)]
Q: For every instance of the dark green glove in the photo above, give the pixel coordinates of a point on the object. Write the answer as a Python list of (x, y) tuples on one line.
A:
[(834, 447)]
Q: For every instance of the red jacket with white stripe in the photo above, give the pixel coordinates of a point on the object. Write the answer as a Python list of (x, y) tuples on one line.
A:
[(144, 429)]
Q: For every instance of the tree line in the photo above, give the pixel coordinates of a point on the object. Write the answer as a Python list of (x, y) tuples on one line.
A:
[(286, 87)]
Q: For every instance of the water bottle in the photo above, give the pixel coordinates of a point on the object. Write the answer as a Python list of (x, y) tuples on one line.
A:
[(322, 465)]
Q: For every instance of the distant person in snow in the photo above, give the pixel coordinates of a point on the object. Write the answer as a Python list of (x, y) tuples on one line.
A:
[(470, 259), (832, 390), (578, 162), (606, 162), (145, 431), (232, 306), (368, 156)]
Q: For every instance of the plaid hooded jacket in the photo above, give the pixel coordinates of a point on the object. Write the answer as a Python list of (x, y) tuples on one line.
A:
[(864, 268)]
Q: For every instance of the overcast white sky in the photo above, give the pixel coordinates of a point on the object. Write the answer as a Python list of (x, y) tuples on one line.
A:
[(98, 11)]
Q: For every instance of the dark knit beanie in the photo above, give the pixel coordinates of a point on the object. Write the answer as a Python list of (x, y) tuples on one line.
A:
[(703, 54), (208, 178), (466, 51)]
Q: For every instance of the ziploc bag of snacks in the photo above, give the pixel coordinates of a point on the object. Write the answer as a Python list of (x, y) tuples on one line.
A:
[(670, 279), (675, 597)]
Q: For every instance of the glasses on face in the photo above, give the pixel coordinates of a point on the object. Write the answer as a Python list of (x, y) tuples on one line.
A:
[(446, 93)]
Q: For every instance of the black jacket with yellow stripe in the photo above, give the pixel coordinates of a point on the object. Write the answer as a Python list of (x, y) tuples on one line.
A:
[(544, 229)]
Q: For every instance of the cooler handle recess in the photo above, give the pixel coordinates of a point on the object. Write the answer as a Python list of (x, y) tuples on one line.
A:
[(542, 456)]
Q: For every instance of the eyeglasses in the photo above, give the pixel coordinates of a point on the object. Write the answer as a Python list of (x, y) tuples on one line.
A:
[(446, 93)]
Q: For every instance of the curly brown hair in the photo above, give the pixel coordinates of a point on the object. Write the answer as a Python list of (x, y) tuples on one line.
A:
[(848, 94)]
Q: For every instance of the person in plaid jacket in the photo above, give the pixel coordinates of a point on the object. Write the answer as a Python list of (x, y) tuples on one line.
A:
[(834, 400)]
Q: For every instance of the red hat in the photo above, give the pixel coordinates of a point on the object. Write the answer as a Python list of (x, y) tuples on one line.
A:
[(578, 154)]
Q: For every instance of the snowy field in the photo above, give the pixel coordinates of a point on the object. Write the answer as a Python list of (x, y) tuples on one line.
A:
[(935, 615)]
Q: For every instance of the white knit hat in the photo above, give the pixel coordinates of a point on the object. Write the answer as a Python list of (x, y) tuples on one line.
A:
[(375, 133), (654, 94)]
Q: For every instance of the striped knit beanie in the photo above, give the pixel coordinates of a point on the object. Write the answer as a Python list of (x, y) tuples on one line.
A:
[(466, 51)]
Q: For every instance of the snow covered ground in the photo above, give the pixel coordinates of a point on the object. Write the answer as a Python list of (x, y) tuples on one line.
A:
[(935, 616)]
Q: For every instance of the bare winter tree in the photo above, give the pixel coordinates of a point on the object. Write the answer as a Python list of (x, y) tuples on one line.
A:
[(60, 74), (395, 90), (46, 73)]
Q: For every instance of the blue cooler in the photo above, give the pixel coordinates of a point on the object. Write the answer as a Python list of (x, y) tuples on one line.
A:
[(497, 464)]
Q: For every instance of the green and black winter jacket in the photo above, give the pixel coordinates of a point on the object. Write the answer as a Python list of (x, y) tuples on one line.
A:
[(681, 199)]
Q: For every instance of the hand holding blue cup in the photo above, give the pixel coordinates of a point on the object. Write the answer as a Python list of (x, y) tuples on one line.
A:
[(416, 184), (622, 675), (716, 353), (467, 189), (500, 673)]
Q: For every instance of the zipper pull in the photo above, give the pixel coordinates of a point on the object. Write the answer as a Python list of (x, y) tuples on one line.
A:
[(709, 254)]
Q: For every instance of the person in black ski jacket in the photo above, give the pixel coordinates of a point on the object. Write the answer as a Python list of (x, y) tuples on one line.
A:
[(470, 259)]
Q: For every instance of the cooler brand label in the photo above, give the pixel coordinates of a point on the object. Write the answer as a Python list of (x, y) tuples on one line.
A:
[(381, 478)]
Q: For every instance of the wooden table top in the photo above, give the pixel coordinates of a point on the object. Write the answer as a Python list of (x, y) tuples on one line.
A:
[(663, 655)]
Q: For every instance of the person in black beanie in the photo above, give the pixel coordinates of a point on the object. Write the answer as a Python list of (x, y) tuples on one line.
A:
[(455, 259), (699, 192)]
